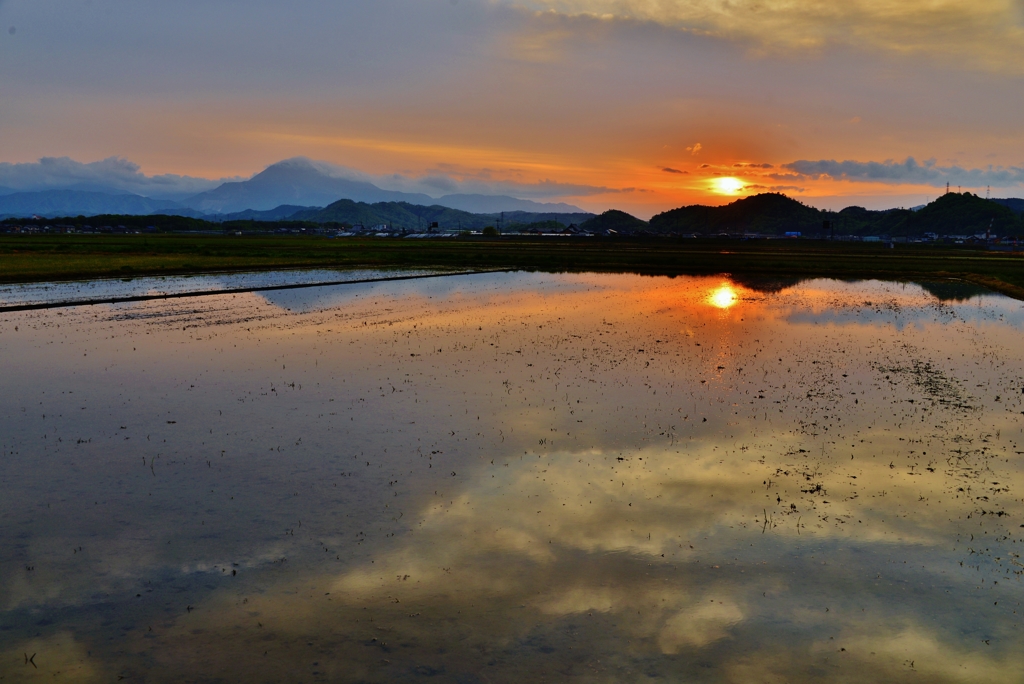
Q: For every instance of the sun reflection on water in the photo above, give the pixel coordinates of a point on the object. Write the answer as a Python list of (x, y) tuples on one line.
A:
[(723, 297)]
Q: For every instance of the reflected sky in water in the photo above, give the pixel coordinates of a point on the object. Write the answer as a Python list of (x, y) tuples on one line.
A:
[(516, 477), (113, 288)]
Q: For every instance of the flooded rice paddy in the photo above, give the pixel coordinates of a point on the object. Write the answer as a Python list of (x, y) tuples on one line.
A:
[(156, 287), (516, 477)]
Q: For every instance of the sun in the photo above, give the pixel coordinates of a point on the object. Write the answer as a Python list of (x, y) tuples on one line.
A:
[(727, 185), (723, 297)]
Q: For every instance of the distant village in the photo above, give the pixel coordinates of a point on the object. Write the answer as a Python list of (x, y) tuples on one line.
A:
[(39, 226)]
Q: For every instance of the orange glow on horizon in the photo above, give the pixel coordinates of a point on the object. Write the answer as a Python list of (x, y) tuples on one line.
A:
[(236, 144)]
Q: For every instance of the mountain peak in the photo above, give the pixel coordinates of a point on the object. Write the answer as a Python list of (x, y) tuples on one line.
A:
[(307, 182), (296, 181)]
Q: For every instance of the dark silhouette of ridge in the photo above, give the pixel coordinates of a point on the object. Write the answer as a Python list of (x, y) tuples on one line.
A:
[(1014, 204), (75, 202), (776, 214), (415, 217), (771, 213), (616, 220)]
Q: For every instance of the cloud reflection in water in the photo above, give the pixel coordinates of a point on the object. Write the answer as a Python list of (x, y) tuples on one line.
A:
[(508, 476)]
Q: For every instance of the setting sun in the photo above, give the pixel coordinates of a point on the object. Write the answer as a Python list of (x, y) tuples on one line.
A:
[(727, 185), (723, 297)]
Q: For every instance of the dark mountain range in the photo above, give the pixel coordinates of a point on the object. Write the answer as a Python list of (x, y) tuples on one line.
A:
[(294, 183), (1014, 203), (77, 202), (301, 182), (493, 204), (522, 218), (342, 214), (296, 189), (861, 221), (619, 221), (774, 214), (280, 213), (413, 217), (512, 218)]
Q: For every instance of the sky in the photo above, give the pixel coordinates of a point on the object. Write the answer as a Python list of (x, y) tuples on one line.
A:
[(640, 105)]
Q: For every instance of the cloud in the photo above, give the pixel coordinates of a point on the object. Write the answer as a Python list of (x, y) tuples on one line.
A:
[(775, 188), (119, 175), (985, 34), (698, 625), (694, 149), (113, 174), (785, 177), (907, 171), (668, 169)]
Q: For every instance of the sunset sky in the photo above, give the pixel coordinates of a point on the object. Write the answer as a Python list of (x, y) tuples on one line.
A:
[(641, 105)]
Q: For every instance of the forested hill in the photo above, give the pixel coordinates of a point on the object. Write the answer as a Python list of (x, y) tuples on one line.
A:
[(964, 214), (770, 213), (774, 214), (614, 220), (414, 217)]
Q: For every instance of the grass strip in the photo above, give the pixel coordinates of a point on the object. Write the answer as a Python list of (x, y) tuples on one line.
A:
[(72, 257)]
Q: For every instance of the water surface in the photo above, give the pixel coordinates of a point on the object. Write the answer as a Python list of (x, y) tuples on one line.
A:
[(516, 477), (77, 291)]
